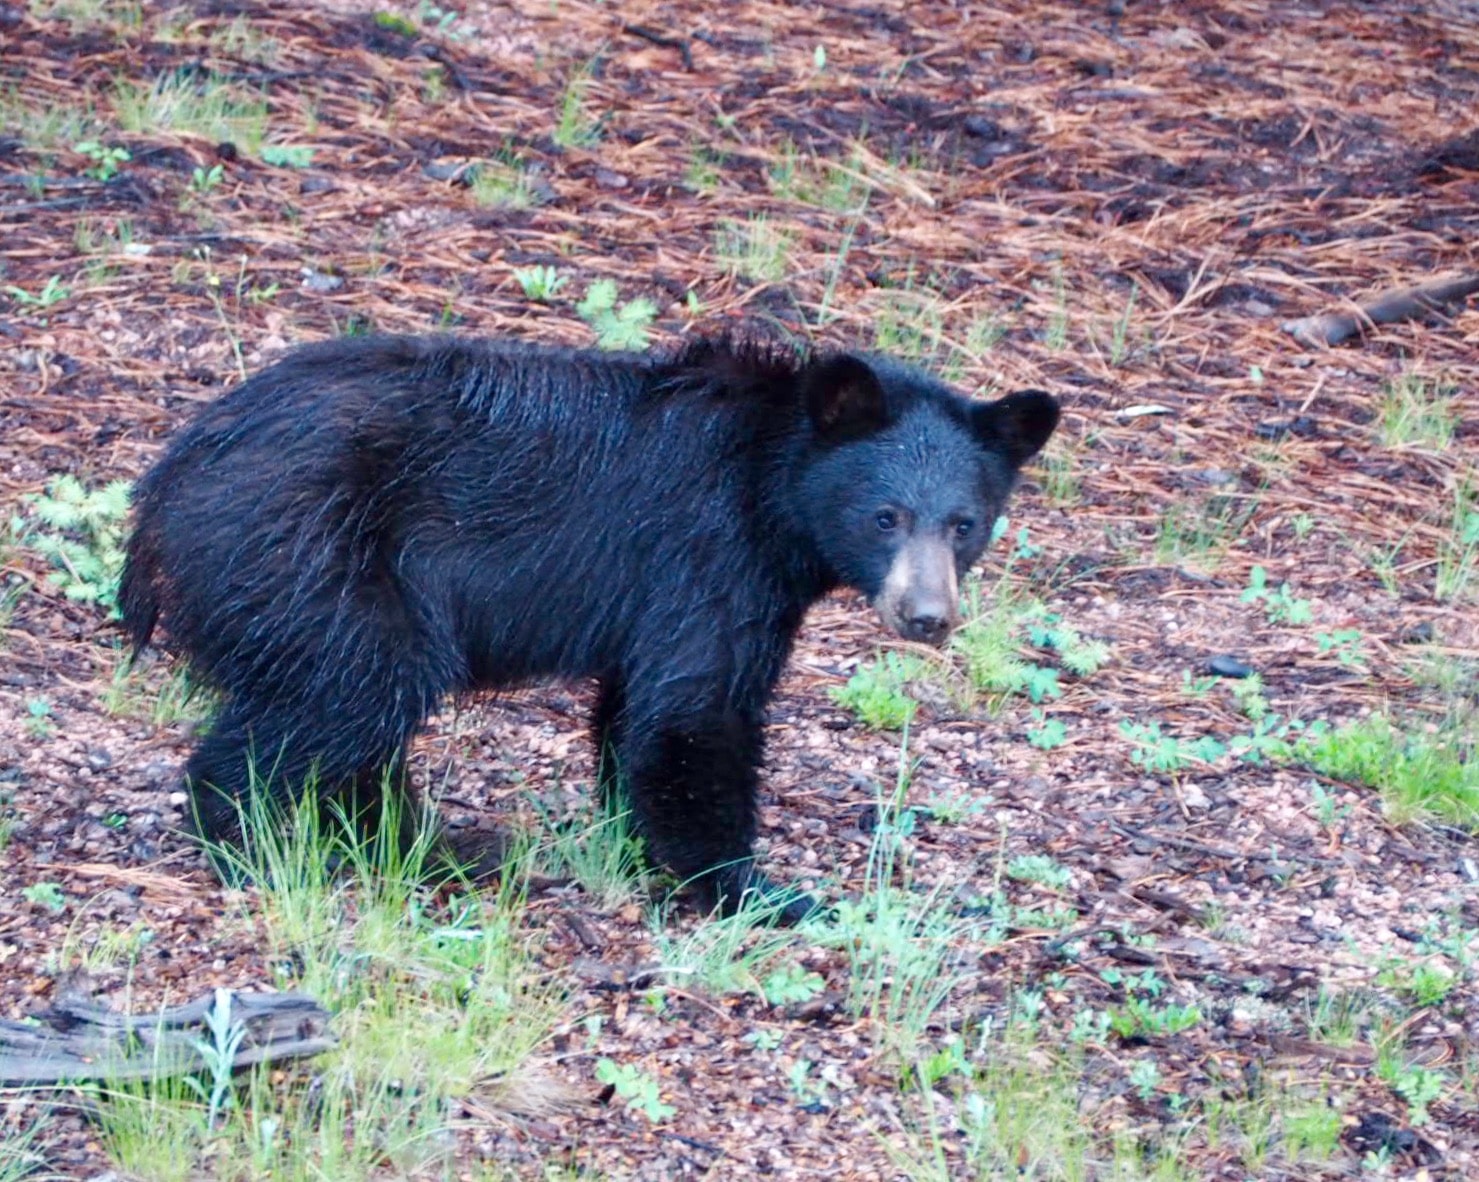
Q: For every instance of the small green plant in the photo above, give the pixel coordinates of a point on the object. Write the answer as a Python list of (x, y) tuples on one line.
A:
[(604, 857), (1417, 773), (1040, 869), (1328, 809), (1059, 468), (219, 1055), (954, 806), (575, 128), (138, 693), (203, 180), (45, 894), (755, 249), (38, 718), (876, 693), (1140, 1017), (1272, 739), (765, 1040), (1055, 336), (502, 184), (1119, 341), (540, 283), (1197, 532), (1157, 751), (638, 1089), (189, 102), (1424, 982), (1458, 547), (910, 321), (791, 983), (1419, 1086), (1048, 733), (624, 326), (1145, 1076), (726, 954), (106, 161), (1079, 656), (1280, 605), (82, 533), (703, 171), (1345, 645), (1414, 412), (54, 292), (286, 155), (1311, 1130)]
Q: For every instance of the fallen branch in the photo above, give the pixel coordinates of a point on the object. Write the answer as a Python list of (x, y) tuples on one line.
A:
[(1406, 304), (80, 1040)]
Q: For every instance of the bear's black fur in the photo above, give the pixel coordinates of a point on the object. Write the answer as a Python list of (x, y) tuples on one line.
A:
[(373, 524)]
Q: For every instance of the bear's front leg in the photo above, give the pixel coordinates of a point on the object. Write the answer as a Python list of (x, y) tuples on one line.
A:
[(691, 782)]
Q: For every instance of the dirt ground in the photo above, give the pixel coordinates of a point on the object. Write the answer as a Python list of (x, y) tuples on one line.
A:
[(1120, 203)]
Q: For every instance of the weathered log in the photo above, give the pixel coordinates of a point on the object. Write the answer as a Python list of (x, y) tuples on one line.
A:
[(1408, 303), (80, 1040)]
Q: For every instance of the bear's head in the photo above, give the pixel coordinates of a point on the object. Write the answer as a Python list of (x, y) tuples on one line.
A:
[(904, 480)]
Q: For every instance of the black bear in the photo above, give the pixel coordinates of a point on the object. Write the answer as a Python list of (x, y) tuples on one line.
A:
[(373, 524)]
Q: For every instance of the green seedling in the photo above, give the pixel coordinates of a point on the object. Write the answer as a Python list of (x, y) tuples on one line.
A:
[(106, 161), (638, 1089), (47, 895), (1048, 733), (286, 155), (1345, 645), (1157, 751), (1280, 605), (617, 326), (540, 283), (38, 718), (82, 533), (54, 292), (876, 693), (203, 180), (1040, 869)]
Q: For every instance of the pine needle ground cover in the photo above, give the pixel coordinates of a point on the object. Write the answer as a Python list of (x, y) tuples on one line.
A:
[(1164, 869)]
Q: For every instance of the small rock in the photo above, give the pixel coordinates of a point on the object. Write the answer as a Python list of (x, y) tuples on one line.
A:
[(1226, 666), (318, 281), (1215, 476), (982, 127), (1301, 425), (98, 759), (1193, 797), (1258, 308), (179, 799), (1419, 633), (445, 170)]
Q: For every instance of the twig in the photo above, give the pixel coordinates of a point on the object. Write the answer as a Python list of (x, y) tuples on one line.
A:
[(1407, 303), (80, 1040), (678, 43)]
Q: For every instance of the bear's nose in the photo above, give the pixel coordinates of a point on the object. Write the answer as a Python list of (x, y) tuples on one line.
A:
[(928, 627)]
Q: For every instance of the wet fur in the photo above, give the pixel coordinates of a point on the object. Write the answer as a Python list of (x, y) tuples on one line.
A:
[(374, 524)]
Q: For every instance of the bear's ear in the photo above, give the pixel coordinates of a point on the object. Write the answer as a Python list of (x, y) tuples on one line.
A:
[(844, 398), (1018, 424)]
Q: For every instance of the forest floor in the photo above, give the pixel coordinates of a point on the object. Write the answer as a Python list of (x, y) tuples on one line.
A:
[(1156, 923)]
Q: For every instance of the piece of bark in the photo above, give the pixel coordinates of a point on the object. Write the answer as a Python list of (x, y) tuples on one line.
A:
[(81, 1040), (1408, 303)]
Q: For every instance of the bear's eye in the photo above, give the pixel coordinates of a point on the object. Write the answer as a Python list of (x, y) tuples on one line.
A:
[(887, 519), (963, 528)]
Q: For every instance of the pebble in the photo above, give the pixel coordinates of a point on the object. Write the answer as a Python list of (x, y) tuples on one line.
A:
[(1228, 666), (318, 281)]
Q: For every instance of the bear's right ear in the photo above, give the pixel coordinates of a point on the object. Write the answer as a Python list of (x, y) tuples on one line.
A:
[(844, 399), (1018, 424)]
